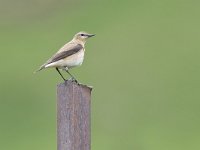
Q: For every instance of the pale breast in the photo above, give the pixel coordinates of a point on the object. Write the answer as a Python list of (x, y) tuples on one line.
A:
[(74, 60)]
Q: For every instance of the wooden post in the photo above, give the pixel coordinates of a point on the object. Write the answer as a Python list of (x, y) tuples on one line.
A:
[(73, 116)]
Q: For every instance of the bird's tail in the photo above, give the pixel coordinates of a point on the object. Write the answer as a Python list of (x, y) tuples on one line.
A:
[(42, 67)]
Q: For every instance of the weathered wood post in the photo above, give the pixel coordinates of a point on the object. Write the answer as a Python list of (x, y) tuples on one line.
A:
[(73, 116)]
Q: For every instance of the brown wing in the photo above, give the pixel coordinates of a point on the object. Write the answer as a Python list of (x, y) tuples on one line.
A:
[(62, 55), (65, 54)]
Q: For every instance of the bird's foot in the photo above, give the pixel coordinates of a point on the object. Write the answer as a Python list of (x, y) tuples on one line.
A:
[(74, 80)]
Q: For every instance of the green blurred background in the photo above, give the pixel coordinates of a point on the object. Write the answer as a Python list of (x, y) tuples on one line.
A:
[(143, 64)]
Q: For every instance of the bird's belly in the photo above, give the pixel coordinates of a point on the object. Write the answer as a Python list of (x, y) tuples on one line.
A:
[(69, 62), (74, 60)]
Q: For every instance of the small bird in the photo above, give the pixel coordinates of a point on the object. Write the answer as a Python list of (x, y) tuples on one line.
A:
[(69, 56)]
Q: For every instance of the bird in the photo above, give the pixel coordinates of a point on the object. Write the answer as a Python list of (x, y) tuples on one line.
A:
[(68, 56)]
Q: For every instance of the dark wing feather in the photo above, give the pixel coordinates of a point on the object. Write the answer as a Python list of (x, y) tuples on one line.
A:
[(62, 55), (65, 54)]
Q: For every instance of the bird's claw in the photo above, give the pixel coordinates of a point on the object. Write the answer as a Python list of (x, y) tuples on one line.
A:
[(74, 80)]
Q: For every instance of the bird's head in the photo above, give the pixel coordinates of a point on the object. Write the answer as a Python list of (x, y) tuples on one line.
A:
[(82, 36)]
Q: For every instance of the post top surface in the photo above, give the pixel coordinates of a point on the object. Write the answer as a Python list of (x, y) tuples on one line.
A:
[(70, 82)]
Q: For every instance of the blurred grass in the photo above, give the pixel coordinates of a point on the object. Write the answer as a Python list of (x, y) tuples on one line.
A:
[(143, 64)]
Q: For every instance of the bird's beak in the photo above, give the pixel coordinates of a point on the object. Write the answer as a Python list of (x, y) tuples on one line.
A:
[(91, 35)]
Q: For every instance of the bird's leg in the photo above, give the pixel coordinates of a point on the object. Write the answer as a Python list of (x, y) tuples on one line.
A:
[(73, 79), (60, 74)]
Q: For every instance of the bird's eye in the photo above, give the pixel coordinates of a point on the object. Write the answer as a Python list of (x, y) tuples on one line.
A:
[(82, 35)]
